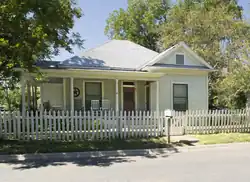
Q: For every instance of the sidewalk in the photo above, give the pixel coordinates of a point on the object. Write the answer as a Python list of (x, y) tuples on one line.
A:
[(151, 153)]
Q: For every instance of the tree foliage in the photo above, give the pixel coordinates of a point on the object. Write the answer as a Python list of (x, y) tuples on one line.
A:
[(139, 22), (34, 30), (10, 94)]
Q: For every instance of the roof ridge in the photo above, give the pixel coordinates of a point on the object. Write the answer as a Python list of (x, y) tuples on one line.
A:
[(108, 41), (141, 46)]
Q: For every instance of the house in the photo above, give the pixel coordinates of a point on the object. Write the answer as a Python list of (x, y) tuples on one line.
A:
[(121, 75)]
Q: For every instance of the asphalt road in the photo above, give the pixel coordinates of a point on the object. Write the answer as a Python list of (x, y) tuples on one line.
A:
[(227, 164)]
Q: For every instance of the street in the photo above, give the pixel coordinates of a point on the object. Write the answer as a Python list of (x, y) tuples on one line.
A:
[(230, 164)]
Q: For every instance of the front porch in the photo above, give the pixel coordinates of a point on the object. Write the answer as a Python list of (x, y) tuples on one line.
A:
[(91, 94)]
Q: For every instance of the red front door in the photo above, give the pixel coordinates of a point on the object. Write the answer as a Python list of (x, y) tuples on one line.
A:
[(128, 98)]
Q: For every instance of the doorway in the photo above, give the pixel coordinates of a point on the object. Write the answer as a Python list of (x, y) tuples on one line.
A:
[(128, 90)]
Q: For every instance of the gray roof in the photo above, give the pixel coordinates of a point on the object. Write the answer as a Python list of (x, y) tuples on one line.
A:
[(119, 54)]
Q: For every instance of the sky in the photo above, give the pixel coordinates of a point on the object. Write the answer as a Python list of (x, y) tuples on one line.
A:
[(91, 26)]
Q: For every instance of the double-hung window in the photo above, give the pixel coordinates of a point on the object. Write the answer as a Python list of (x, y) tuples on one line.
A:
[(93, 91), (180, 97)]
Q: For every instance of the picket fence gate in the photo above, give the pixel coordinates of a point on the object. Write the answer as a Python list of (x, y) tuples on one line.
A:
[(71, 126)]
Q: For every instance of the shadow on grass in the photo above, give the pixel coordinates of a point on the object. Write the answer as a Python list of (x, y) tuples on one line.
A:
[(40, 148)]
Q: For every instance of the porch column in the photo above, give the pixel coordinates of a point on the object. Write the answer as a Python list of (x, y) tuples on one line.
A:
[(117, 95), (23, 83), (36, 96), (64, 93), (157, 96), (136, 95), (29, 95), (41, 97), (72, 94)]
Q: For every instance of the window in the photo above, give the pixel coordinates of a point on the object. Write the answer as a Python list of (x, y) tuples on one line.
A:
[(93, 91), (180, 97), (180, 59)]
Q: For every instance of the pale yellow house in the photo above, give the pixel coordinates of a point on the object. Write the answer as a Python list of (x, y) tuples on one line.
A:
[(121, 75)]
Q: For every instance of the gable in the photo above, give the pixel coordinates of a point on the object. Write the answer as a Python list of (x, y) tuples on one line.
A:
[(189, 59)]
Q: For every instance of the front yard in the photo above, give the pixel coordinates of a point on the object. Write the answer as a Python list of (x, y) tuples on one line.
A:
[(223, 138), (22, 147)]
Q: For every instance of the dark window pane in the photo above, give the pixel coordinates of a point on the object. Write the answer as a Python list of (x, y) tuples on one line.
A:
[(180, 90), (128, 83), (179, 59), (180, 97), (93, 91)]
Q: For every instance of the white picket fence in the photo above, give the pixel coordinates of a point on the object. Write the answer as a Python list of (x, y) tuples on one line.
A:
[(110, 125), (212, 121), (81, 125)]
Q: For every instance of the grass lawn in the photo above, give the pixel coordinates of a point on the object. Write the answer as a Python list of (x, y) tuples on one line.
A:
[(223, 138), (22, 147)]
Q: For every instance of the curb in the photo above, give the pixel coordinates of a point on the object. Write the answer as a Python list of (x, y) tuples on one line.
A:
[(115, 153)]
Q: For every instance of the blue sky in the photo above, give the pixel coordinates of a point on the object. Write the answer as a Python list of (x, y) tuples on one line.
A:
[(91, 25)]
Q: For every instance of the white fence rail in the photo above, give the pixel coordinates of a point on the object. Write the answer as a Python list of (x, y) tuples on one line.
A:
[(81, 125), (212, 121), (110, 125)]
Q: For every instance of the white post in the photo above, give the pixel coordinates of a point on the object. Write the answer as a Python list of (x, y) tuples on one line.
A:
[(41, 97), (157, 96), (72, 93), (83, 95), (136, 95), (29, 95), (23, 82), (64, 93), (116, 95)]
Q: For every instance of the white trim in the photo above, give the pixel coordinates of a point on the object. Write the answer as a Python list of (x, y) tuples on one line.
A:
[(207, 87), (157, 97), (116, 95), (72, 94), (41, 96), (135, 95), (172, 49), (23, 85), (99, 74), (172, 94), (83, 94), (145, 96), (64, 94), (84, 86)]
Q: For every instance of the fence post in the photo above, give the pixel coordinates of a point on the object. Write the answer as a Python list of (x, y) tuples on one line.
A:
[(168, 115), (185, 123)]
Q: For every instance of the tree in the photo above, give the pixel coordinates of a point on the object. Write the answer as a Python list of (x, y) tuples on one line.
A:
[(33, 30), (139, 22), (212, 28), (10, 94)]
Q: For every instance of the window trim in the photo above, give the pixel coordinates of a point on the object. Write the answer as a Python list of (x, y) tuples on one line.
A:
[(172, 92), (180, 53), (84, 92)]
